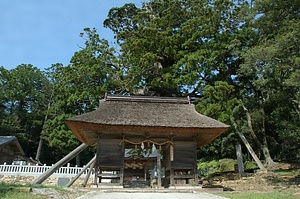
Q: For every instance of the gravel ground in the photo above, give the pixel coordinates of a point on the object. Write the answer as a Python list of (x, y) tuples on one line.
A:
[(149, 195)]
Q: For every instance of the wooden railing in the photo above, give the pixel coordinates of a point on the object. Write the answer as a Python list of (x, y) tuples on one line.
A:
[(36, 170)]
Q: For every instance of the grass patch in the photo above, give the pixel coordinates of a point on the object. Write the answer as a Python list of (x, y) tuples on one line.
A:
[(11, 185), (9, 194), (288, 172), (287, 194), (18, 191)]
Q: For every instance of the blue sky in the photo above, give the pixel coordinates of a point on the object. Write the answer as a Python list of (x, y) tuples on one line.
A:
[(42, 33)]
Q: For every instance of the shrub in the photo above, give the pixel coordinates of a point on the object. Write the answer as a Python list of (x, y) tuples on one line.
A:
[(227, 165), (208, 167), (214, 166), (250, 165)]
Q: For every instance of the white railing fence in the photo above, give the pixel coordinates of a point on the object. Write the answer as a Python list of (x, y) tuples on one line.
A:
[(36, 170)]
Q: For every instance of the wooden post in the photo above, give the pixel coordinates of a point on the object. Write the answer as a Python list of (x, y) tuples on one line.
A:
[(258, 162), (89, 173), (158, 169), (196, 180), (96, 175), (240, 160), (81, 172), (123, 163), (121, 176), (172, 181), (145, 173), (60, 163)]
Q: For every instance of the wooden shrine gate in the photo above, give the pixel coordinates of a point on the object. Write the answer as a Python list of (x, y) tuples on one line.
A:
[(141, 140)]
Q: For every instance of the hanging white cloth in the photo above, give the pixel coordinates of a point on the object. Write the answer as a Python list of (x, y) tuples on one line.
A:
[(153, 148), (142, 145)]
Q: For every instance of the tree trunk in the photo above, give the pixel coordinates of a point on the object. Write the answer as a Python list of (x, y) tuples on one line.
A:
[(263, 147), (39, 149), (269, 161)]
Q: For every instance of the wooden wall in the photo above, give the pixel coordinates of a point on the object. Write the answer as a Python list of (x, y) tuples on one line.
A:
[(110, 153), (184, 154), (6, 154)]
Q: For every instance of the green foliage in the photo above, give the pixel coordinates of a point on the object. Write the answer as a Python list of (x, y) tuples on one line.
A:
[(208, 168), (60, 136), (227, 165), (218, 102), (169, 53)]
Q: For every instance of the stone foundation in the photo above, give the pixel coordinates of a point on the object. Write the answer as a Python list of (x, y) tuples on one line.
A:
[(51, 181)]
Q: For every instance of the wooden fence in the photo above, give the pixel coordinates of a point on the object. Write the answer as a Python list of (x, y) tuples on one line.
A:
[(36, 170)]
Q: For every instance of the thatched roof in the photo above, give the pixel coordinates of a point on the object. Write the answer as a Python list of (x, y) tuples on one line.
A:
[(153, 114)]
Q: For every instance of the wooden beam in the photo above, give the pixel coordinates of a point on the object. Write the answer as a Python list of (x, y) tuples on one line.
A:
[(81, 172), (89, 173), (59, 164), (248, 146)]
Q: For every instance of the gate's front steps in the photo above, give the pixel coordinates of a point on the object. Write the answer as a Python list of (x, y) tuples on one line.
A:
[(173, 189)]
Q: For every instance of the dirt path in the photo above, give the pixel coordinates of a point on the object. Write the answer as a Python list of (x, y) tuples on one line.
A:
[(148, 195)]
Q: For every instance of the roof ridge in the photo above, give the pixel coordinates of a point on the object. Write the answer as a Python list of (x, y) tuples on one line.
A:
[(149, 99)]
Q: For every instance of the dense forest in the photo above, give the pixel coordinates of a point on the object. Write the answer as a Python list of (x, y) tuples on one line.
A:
[(238, 60)]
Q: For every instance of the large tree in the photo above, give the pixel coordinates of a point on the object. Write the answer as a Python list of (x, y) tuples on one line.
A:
[(78, 87), (221, 51), (174, 47), (24, 97), (267, 77), (219, 101)]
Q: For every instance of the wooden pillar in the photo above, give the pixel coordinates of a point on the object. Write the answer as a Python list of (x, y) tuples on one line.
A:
[(172, 181), (158, 169), (60, 163), (100, 177), (195, 164), (96, 175), (123, 164), (240, 160), (121, 176)]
